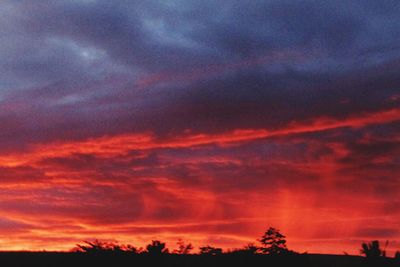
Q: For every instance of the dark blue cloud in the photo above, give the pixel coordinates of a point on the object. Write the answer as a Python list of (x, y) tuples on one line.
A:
[(74, 69)]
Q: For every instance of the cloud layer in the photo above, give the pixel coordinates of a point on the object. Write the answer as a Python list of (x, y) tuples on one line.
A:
[(206, 121)]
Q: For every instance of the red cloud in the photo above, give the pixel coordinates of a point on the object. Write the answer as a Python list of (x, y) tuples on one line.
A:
[(216, 190)]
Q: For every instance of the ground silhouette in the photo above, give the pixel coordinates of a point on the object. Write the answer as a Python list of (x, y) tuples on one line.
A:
[(47, 259), (272, 251)]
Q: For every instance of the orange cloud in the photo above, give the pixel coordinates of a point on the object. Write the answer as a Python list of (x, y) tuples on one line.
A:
[(109, 146)]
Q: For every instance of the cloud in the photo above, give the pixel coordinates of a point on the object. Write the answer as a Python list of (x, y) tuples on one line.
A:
[(130, 120)]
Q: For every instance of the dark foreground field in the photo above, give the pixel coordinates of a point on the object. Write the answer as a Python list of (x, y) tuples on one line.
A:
[(81, 259)]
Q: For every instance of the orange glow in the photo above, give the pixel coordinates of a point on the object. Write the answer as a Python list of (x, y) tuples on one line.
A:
[(111, 188)]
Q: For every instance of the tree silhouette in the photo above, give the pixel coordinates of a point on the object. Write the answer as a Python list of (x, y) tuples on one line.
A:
[(208, 250), (156, 248), (372, 250), (397, 256), (273, 242), (183, 248)]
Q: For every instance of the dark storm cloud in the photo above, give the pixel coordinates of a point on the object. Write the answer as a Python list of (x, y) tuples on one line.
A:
[(65, 61)]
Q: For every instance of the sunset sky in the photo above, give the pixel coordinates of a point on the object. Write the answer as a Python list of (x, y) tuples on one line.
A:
[(203, 120)]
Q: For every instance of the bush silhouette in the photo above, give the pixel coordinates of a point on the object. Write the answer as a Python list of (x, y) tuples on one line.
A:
[(397, 256), (372, 250), (183, 248), (104, 247), (273, 242), (249, 249), (156, 248), (96, 247), (208, 250)]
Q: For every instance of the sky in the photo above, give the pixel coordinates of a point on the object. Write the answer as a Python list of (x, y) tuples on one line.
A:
[(208, 121)]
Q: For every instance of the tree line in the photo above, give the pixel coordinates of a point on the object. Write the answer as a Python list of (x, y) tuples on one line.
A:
[(272, 242)]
